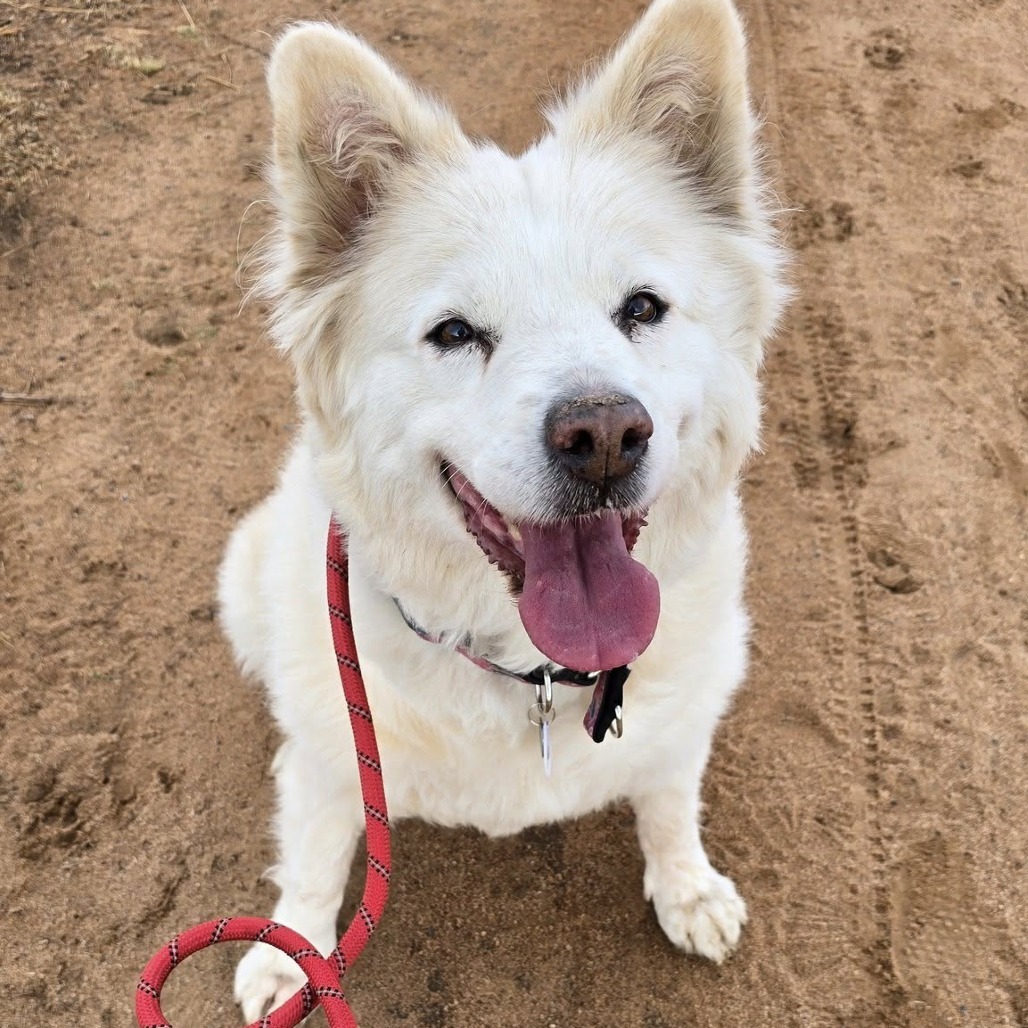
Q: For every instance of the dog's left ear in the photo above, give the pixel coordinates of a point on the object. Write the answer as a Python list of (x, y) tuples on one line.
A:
[(678, 79)]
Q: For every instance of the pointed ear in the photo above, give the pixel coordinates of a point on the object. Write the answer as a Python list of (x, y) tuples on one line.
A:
[(345, 124), (678, 78)]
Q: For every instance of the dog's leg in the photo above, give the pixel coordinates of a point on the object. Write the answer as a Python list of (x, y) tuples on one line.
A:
[(698, 908), (318, 827)]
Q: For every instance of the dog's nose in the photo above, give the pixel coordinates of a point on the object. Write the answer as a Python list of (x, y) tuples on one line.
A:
[(599, 438)]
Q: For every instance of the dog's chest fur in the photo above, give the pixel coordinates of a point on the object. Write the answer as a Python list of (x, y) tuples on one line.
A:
[(456, 744)]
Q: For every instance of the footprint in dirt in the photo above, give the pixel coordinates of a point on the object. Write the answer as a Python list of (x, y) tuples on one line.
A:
[(162, 327), (65, 794), (886, 49), (968, 166)]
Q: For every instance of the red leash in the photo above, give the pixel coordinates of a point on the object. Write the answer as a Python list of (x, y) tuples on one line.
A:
[(324, 976)]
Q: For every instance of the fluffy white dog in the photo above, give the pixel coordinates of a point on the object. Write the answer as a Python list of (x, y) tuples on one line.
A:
[(528, 385)]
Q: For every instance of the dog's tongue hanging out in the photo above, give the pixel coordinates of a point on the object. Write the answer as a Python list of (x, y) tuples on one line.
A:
[(586, 603)]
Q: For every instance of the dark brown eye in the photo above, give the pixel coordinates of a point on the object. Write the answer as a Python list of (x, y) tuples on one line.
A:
[(643, 308), (452, 333)]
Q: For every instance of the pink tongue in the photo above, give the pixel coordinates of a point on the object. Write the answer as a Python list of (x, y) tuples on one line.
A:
[(586, 603)]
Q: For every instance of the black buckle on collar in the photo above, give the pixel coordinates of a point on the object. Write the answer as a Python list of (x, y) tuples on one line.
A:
[(607, 703), (563, 675)]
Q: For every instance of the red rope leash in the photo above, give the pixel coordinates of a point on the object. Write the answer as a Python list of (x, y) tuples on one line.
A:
[(324, 976)]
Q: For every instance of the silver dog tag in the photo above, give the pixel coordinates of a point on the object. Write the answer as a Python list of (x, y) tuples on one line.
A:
[(545, 745), (541, 714)]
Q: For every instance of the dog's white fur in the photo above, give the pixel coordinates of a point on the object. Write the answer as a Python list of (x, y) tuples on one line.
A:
[(389, 218)]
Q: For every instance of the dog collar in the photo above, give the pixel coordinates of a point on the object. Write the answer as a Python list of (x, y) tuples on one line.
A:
[(608, 686)]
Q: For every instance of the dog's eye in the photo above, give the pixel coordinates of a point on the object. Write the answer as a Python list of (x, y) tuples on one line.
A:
[(643, 308), (453, 332)]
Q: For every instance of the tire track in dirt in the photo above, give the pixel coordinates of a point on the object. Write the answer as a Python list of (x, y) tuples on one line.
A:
[(863, 132), (803, 428), (826, 434), (838, 411), (813, 412)]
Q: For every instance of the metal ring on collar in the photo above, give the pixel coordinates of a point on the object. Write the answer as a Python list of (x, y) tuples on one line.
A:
[(544, 692)]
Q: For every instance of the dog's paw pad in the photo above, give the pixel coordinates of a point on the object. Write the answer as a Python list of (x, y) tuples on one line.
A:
[(265, 979), (699, 910)]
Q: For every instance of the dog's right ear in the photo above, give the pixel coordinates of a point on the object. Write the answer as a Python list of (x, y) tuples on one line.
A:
[(345, 124), (678, 78)]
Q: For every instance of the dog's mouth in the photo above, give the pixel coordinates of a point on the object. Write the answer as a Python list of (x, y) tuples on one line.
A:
[(583, 599)]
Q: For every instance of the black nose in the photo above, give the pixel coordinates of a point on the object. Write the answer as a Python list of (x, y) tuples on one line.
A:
[(599, 438)]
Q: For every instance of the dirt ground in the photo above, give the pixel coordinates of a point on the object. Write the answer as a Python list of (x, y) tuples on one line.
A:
[(869, 790)]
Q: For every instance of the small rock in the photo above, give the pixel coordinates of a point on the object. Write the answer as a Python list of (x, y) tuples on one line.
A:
[(892, 573), (161, 328), (968, 166)]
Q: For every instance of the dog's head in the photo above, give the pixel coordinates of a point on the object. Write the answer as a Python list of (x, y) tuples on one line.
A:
[(533, 351)]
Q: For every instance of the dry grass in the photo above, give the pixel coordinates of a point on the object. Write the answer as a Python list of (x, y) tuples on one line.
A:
[(36, 81), (29, 152)]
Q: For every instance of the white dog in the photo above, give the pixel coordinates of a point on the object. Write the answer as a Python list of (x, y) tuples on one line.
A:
[(528, 385)]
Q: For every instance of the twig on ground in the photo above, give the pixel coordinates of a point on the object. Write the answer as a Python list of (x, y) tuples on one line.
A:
[(239, 42), (14, 249), (27, 399), (46, 9), (221, 82), (189, 17)]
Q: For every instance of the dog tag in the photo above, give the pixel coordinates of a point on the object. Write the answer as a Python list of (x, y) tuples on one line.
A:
[(547, 747), (542, 719), (541, 714)]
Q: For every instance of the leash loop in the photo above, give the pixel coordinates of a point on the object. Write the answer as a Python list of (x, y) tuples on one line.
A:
[(324, 976)]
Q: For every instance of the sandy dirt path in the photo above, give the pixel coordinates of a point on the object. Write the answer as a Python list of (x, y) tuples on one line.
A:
[(869, 791)]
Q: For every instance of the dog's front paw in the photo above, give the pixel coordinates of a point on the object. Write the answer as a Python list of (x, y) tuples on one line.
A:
[(699, 909), (265, 979)]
